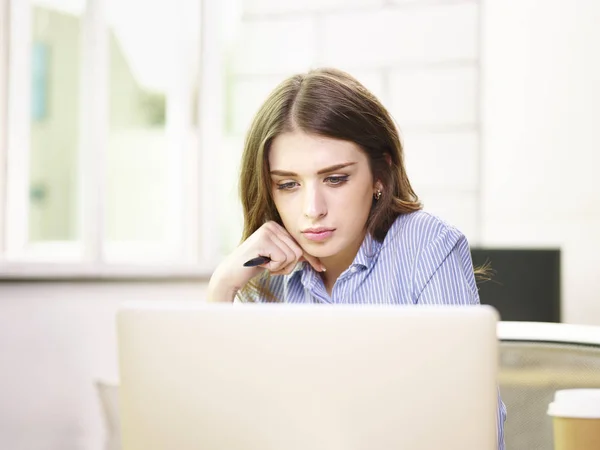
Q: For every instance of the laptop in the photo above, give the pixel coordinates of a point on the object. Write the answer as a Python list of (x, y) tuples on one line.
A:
[(298, 377)]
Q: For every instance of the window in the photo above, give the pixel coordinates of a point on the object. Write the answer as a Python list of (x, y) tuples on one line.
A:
[(110, 117)]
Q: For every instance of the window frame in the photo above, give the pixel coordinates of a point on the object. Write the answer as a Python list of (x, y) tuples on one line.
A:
[(193, 162)]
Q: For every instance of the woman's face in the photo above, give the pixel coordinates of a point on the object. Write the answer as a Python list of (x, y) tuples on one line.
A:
[(323, 190)]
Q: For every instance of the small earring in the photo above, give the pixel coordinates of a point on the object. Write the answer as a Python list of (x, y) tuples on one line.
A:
[(377, 195)]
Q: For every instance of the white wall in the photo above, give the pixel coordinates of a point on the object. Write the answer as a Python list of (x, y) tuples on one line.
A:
[(540, 142), (56, 339), (421, 58)]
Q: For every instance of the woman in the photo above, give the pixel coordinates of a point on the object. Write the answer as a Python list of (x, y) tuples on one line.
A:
[(328, 204)]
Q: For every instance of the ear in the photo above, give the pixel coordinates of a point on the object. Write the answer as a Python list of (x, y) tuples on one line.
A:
[(388, 158)]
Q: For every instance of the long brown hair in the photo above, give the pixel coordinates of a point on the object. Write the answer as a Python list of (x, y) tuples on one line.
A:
[(330, 103)]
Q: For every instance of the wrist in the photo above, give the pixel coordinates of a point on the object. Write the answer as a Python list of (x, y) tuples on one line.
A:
[(219, 288)]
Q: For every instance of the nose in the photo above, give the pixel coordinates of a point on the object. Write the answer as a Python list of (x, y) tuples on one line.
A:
[(315, 205)]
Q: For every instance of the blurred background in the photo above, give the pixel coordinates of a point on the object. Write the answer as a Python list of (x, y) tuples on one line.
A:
[(122, 124)]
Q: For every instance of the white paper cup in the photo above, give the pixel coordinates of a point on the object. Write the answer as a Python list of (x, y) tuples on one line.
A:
[(576, 414)]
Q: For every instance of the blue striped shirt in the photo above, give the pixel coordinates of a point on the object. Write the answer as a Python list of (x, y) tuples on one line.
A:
[(422, 261)]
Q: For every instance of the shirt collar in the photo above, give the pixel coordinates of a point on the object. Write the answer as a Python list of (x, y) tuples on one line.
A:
[(365, 258), (367, 253)]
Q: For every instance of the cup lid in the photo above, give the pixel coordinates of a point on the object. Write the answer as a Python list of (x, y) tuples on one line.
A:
[(576, 403)]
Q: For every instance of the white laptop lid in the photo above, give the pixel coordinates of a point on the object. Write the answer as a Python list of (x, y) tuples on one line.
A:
[(291, 377)]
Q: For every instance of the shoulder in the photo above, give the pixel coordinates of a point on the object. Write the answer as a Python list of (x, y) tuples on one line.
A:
[(418, 231), (429, 244)]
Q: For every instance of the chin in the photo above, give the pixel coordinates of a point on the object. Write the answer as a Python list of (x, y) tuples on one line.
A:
[(320, 250), (321, 254)]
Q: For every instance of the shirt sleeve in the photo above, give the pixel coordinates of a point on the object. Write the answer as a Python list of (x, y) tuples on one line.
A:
[(444, 276), (500, 419)]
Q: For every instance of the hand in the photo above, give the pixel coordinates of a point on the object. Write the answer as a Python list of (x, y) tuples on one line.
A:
[(271, 240)]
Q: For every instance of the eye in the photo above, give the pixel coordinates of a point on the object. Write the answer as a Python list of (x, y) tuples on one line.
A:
[(337, 180), (287, 186)]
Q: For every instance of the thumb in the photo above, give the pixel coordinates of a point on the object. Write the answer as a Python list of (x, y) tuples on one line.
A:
[(313, 261)]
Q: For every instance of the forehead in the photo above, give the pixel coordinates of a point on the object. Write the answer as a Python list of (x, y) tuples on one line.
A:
[(306, 153)]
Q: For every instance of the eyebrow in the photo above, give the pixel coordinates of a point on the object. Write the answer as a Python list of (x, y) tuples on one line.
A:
[(284, 173)]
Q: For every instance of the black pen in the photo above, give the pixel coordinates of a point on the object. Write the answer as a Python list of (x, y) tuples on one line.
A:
[(259, 260)]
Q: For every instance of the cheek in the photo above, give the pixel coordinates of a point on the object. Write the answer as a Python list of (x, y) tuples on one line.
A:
[(285, 208), (356, 200)]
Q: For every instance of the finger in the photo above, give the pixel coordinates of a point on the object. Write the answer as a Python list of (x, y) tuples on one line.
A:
[(285, 236), (277, 258), (287, 239), (313, 261), (269, 245), (286, 270), (282, 256)]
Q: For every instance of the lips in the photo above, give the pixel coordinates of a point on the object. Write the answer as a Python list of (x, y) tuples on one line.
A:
[(318, 234)]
